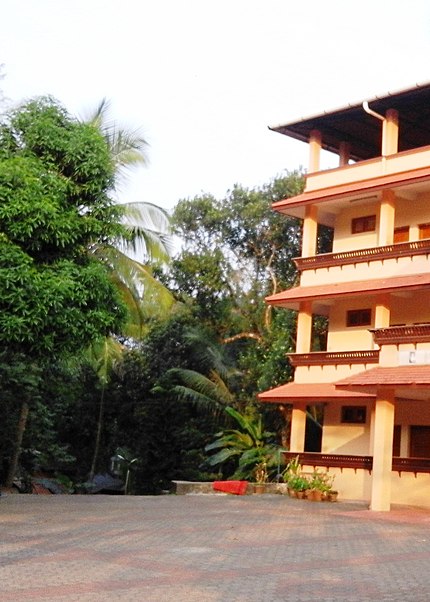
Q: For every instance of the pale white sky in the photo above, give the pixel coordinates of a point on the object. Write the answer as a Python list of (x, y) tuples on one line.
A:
[(204, 78)]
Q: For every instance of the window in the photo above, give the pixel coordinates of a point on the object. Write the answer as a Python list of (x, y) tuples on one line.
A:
[(363, 224), (401, 234), (424, 230), (353, 414), (396, 439), (420, 442), (359, 317)]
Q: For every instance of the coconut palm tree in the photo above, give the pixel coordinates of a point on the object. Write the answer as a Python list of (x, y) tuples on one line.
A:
[(208, 387), (147, 241)]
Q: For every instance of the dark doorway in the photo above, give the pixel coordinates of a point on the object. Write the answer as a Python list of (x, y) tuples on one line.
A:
[(314, 426)]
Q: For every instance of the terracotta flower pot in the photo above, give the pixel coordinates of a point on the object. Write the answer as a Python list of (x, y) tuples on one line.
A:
[(259, 488), (315, 495)]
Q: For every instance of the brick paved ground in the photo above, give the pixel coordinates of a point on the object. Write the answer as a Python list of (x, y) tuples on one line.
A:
[(209, 548)]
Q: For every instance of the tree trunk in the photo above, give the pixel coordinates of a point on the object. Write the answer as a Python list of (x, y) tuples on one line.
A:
[(22, 422), (98, 435)]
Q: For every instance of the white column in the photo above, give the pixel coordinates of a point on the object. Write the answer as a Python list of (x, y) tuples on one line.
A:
[(382, 450), (298, 427), (314, 151), (304, 328), (344, 149), (386, 218), (310, 230), (390, 133)]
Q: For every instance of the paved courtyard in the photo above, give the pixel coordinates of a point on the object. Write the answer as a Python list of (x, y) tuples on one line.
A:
[(209, 548)]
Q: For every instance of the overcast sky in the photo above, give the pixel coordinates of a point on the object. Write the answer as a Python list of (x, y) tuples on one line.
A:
[(204, 78)]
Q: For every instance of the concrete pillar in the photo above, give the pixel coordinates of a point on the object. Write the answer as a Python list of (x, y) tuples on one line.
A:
[(382, 312), (382, 450), (314, 151), (304, 328), (298, 427), (390, 133), (386, 218), (310, 230), (344, 149)]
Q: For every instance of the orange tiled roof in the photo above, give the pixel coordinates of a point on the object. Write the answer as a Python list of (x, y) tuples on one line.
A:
[(399, 376), (358, 287), (312, 392)]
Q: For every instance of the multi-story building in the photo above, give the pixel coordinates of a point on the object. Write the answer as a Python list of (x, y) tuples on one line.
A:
[(372, 382)]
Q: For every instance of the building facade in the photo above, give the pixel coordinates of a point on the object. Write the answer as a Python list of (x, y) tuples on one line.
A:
[(372, 382)]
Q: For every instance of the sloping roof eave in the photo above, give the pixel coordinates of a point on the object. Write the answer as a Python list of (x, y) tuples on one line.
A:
[(312, 392), (393, 377), (329, 291)]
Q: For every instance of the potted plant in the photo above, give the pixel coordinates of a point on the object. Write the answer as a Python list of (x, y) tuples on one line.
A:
[(298, 485), (290, 474), (332, 495), (319, 486), (260, 477)]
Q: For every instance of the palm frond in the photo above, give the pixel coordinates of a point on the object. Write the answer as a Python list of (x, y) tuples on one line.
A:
[(103, 355), (210, 355), (127, 147), (196, 386), (149, 231), (145, 297), (198, 399), (222, 456)]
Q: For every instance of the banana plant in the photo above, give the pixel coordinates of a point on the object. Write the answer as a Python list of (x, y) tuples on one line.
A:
[(250, 446)]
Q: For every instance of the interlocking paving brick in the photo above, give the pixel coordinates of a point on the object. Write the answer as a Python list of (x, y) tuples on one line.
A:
[(209, 548)]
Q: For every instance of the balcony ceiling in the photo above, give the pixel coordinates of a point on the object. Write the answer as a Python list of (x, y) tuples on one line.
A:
[(362, 131)]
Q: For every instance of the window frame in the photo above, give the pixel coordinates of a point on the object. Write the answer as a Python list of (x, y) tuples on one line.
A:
[(353, 414), (364, 223), (363, 317)]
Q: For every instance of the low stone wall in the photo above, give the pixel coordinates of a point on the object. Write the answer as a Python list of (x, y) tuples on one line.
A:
[(195, 487)]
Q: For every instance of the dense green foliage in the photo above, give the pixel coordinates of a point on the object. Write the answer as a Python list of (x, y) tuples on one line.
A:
[(55, 179), (199, 336), (55, 175)]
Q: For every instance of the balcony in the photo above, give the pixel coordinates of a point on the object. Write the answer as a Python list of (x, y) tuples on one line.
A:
[(328, 260), (317, 460), (325, 358), (403, 166), (396, 335)]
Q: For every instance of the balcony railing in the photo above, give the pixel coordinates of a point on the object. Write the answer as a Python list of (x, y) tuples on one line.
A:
[(395, 335), (324, 358), (316, 460), (331, 460), (327, 260)]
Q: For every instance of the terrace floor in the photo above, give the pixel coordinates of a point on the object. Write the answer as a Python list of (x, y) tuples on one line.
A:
[(209, 548)]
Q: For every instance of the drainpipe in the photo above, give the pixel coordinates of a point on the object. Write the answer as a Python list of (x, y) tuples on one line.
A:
[(384, 122), (372, 112)]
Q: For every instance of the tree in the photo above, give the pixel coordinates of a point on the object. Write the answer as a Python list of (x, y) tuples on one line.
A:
[(145, 243), (236, 251), (146, 237), (55, 178)]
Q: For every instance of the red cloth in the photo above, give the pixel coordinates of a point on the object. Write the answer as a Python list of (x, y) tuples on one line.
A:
[(236, 487)]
